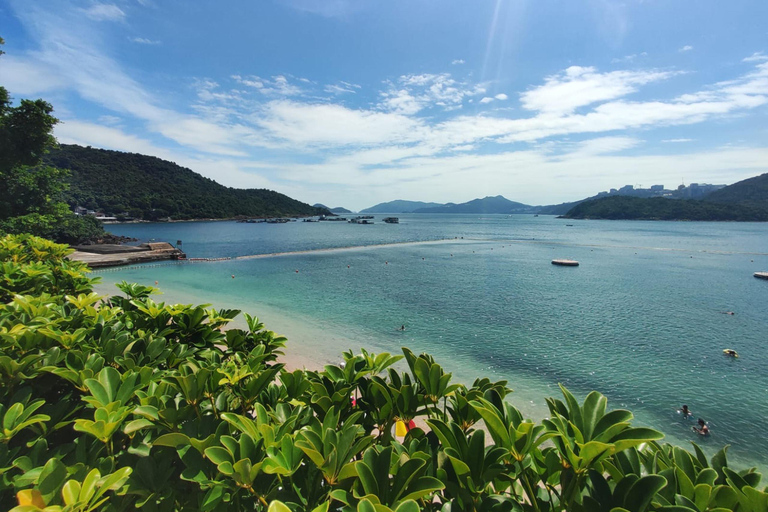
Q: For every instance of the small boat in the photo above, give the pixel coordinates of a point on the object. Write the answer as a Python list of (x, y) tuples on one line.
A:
[(761, 275), (566, 263), (730, 352), (391, 220)]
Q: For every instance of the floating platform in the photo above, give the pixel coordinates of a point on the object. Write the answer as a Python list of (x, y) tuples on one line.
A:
[(566, 263), (761, 275)]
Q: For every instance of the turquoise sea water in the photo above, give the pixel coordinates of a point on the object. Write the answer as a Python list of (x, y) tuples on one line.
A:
[(641, 320)]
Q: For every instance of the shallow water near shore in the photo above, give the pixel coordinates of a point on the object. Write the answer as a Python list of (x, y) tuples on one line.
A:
[(641, 320)]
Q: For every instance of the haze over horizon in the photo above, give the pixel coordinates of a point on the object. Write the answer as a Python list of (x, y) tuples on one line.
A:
[(353, 103)]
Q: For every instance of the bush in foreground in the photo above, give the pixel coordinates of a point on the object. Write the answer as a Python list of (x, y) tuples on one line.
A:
[(128, 403)]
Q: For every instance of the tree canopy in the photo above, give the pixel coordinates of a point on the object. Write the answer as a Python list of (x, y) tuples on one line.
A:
[(31, 195)]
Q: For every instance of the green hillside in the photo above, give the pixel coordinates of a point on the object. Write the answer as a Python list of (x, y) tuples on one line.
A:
[(658, 208), (751, 192), (150, 188)]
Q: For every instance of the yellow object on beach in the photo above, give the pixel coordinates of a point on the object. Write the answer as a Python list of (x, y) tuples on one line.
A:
[(400, 430)]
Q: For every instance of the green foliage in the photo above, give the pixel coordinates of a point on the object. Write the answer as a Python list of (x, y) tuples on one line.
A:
[(151, 188), (126, 403), (659, 208), (31, 194)]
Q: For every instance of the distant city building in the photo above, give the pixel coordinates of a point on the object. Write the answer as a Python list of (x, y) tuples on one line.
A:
[(692, 191)]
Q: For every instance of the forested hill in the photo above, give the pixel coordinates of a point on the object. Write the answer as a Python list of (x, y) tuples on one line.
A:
[(659, 208), (149, 188), (750, 192)]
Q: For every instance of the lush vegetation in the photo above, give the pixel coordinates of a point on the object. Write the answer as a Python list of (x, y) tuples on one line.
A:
[(127, 403), (636, 208), (149, 188), (752, 192), (31, 194)]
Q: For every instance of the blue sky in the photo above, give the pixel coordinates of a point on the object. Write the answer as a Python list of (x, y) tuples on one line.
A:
[(355, 102)]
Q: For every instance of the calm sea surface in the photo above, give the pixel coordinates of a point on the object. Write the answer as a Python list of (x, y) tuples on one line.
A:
[(641, 320)]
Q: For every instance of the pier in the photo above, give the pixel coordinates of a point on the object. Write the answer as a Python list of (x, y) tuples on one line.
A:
[(112, 255)]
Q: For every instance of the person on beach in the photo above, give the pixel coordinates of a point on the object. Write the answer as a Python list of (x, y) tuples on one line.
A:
[(685, 411), (702, 429)]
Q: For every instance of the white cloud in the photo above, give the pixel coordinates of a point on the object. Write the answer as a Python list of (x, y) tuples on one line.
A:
[(486, 99), (104, 12), (581, 86), (686, 48), (457, 62), (413, 93), (143, 40), (676, 140), (756, 57), (336, 125), (501, 97)]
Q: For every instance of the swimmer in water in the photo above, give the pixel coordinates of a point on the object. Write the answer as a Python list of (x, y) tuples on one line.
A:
[(730, 352), (401, 328), (728, 313), (685, 411), (702, 429)]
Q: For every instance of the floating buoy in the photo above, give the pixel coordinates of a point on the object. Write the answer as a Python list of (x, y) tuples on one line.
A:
[(566, 263)]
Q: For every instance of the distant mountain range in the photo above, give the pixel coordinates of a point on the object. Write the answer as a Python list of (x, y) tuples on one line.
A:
[(399, 206), (337, 210), (495, 204), (145, 187), (745, 200)]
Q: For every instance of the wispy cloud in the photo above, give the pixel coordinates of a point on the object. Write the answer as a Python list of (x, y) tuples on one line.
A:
[(457, 62), (143, 40), (628, 58), (326, 8), (685, 48), (278, 85), (104, 12), (341, 88), (676, 140), (756, 57)]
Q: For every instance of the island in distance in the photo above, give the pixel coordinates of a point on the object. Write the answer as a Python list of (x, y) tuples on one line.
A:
[(399, 206), (337, 210)]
